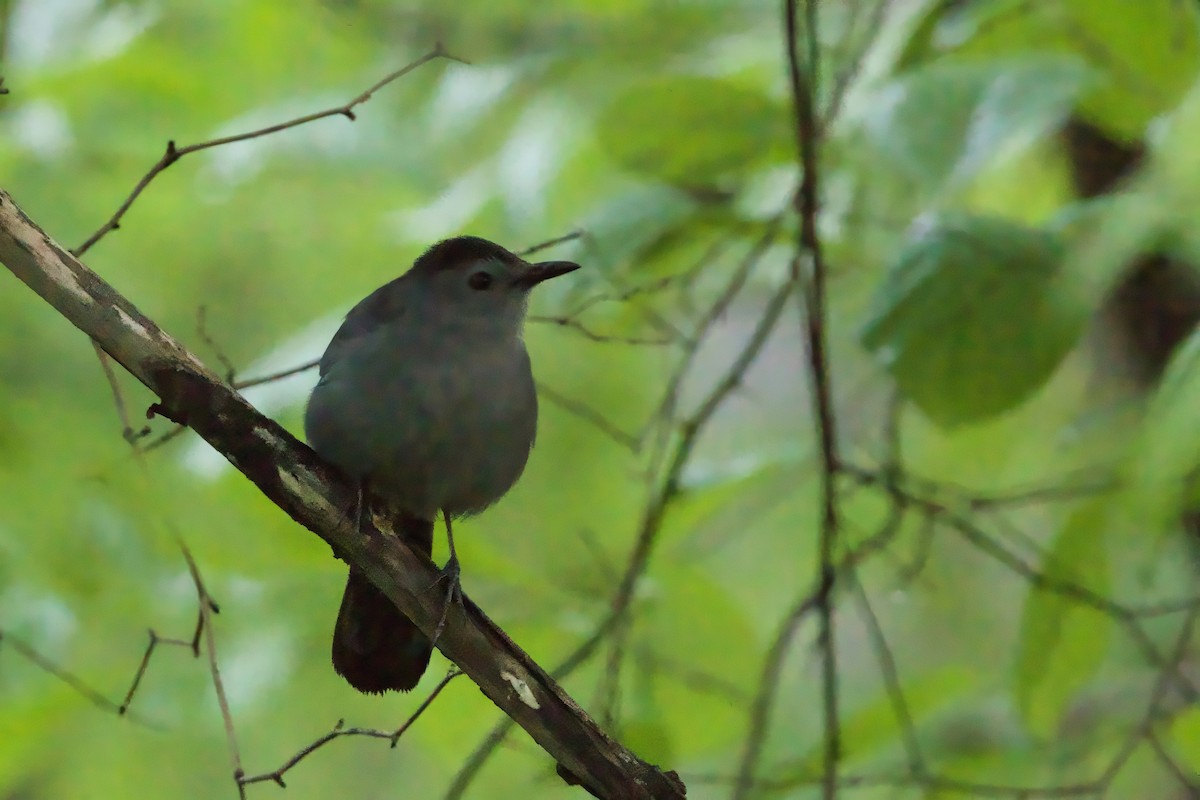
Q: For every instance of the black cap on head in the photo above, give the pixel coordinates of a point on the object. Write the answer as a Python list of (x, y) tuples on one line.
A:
[(450, 253)]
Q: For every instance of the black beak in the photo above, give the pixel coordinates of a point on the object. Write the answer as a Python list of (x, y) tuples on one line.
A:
[(544, 271)]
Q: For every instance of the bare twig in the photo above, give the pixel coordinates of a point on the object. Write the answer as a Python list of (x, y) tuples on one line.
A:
[(891, 677), (277, 376), (206, 337), (127, 431), (207, 607), (144, 664), (339, 730), (1144, 730), (929, 784), (571, 323), (31, 655), (173, 153), (667, 406), (764, 698), (804, 80), (874, 26), (546, 245), (591, 416)]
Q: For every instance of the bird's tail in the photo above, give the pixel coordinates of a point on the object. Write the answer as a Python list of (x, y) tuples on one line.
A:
[(375, 647)]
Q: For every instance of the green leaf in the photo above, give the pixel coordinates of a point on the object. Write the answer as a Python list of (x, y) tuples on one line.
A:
[(974, 317), (1161, 477), (1144, 61), (1062, 642), (691, 130), (1150, 57), (980, 110), (1185, 734)]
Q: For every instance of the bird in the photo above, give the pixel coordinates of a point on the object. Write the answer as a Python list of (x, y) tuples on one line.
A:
[(426, 400)]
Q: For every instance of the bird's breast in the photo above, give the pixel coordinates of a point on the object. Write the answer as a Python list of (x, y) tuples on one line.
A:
[(479, 413)]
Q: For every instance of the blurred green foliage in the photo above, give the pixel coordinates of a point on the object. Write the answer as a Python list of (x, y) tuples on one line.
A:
[(663, 130)]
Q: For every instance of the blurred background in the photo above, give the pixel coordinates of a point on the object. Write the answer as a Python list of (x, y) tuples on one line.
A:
[(1008, 192)]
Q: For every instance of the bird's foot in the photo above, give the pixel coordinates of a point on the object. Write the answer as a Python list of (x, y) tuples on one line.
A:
[(450, 574)]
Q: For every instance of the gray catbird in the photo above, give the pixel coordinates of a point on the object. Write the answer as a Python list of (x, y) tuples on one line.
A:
[(426, 398)]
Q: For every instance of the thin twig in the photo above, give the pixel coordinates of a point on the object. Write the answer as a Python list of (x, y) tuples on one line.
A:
[(174, 153), (45, 665), (891, 676), (206, 337), (546, 245), (339, 730), (207, 608), (1145, 728), (689, 432), (978, 538), (573, 324), (1188, 782), (144, 664), (764, 698), (733, 287), (277, 376), (591, 416), (804, 79), (127, 431), (875, 25)]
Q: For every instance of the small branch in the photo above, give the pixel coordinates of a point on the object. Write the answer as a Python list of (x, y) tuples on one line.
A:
[(891, 677), (339, 730), (218, 351), (977, 537), (546, 245), (277, 376), (591, 416), (587, 333), (144, 664), (664, 416), (207, 608), (127, 432), (804, 81), (173, 153), (764, 699), (45, 665), (1144, 731)]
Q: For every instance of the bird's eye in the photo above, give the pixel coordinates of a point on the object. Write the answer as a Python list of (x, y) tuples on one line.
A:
[(480, 281)]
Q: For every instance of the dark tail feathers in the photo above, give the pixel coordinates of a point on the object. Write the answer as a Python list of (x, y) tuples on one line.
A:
[(375, 647)]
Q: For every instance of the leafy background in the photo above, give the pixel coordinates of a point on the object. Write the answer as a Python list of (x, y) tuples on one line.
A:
[(966, 277)]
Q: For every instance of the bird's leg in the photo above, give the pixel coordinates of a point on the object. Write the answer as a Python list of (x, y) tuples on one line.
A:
[(359, 509), (450, 574)]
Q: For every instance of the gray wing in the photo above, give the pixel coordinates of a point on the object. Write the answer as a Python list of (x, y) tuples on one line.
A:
[(378, 308)]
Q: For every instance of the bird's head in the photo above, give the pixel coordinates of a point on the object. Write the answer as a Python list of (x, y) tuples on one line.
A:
[(475, 278)]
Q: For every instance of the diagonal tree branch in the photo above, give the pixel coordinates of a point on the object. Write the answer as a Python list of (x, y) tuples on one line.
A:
[(316, 495)]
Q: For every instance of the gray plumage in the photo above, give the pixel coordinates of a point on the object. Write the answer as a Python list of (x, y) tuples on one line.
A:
[(427, 397)]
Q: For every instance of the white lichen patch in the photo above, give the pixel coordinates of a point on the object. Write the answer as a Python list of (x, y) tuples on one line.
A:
[(132, 324), (521, 688), (57, 270), (298, 480)]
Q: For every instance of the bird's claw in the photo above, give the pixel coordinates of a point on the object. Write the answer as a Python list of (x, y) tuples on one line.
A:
[(450, 573)]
